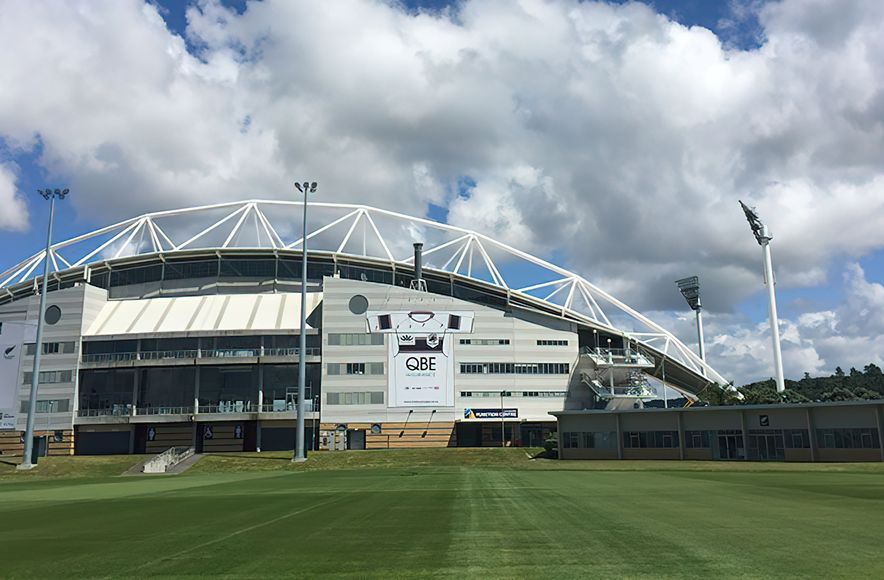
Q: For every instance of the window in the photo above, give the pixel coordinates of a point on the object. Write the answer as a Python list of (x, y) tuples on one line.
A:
[(485, 341), (52, 348), (571, 440), (796, 438), (855, 438), (548, 342), (515, 368), (357, 398), (600, 439), (355, 368), (49, 377), (650, 439), (696, 439), (357, 339), (49, 406)]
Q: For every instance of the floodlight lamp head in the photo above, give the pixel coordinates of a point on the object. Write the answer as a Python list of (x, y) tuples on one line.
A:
[(298, 187), (46, 193), (313, 187), (690, 289), (758, 228)]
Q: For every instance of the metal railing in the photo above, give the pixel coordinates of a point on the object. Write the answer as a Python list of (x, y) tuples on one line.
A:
[(166, 354), (309, 351), (195, 354), (115, 411), (288, 407), (637, 389), (617, 356), (229, 407), (165, 410)]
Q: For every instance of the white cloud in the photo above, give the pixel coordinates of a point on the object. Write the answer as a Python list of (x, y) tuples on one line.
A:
[(608, 133), (14, 215)]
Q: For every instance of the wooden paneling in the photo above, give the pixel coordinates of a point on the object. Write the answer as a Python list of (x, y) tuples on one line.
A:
[(403, 435), (169, 435), (223, 437), (10, 442)]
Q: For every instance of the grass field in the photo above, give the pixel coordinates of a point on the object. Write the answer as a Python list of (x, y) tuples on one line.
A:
[(442, 513)]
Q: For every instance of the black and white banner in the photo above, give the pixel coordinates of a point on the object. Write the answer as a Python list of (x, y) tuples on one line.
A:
[(420, 363), (13, 335)]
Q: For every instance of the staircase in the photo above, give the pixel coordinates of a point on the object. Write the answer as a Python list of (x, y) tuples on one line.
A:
[(167, 460)]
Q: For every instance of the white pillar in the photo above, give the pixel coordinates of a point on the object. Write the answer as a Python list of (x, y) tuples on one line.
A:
[(772, 309)]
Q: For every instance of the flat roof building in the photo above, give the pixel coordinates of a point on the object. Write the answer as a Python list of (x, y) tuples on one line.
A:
[(834, 431)]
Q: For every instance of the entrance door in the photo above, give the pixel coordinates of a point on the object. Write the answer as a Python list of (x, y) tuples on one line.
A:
[(532, 436), (766, 447), (355, 439), (730, 447)]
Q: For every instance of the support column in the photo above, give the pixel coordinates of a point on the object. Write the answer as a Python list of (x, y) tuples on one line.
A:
[(680, 435), (260, 406), (879, 414), (745, 432), (811, 434), (619, 437), (196, 391), (136, 392)]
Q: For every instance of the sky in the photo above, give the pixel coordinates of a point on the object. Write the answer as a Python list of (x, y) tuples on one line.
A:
[(615, 137)]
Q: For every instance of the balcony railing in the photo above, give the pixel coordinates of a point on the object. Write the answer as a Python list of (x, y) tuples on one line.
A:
[(114, 411), (229, 407), (617, 357), (164, 410), (288, 407), (194, 354)]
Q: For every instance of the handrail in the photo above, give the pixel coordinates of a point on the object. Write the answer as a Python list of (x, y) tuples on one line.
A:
[(196, 354)]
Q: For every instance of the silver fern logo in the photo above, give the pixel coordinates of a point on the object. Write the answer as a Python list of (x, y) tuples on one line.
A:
[(9, 353)]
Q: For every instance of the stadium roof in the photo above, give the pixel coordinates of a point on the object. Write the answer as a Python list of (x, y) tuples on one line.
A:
[(357, 233)]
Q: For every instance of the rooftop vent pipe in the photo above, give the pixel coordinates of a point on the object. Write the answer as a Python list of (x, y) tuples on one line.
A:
[(418, 283)]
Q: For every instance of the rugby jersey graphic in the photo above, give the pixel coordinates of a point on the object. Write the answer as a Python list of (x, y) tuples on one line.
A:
[(420, 370)]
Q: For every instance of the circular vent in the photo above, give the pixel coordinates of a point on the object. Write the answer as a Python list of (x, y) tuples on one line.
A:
[(52, 315), (358, 304)]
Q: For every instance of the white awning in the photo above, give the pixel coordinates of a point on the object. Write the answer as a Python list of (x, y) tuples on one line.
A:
[(231, 312)]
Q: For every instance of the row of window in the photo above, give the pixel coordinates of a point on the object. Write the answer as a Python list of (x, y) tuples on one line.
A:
[(851, 438), (650, 439), (858, 438), (357, 398), (485, 341), (505, 368), (49, 406), (356, 339), (49, 377), (547, 342), (490, 394), (354, 368), (52, 348), (590, 440)]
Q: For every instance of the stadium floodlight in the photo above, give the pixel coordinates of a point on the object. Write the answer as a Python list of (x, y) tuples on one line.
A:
[(299, 455), (26, 462), (690, 289), (763, 237)]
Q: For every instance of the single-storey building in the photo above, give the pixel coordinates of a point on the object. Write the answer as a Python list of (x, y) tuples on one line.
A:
[(833, 431)]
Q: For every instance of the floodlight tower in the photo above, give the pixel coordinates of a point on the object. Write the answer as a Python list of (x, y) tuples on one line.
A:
[(299, 456), (690, 289), (763, 237), (50, 195)]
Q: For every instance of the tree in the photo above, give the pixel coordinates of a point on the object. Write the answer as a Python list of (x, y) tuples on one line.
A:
[(854, 372), (872, 370), (839, 372)]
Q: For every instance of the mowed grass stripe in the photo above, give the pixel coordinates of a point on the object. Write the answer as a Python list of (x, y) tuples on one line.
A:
[(412, 517)]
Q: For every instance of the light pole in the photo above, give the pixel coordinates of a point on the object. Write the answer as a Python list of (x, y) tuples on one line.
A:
[(690, 289), (502, 431), (763, 237), (302, 367), (25, 464)]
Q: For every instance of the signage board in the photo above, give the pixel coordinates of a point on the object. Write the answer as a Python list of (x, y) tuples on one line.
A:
[(420, 361)]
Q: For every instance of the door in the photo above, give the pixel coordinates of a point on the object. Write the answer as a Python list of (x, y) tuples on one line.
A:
[(730, 447), (355, 439)]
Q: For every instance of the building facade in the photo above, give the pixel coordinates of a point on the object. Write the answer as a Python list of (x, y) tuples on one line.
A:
[(150, 344), (836, 431)]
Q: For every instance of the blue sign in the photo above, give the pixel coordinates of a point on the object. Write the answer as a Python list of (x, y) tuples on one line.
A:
[(490, 413)]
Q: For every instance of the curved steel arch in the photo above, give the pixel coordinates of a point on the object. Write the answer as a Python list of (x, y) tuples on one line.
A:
[(470, 255)]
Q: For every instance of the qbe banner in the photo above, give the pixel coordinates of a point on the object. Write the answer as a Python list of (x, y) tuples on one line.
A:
[(13, 335), (420, 365)]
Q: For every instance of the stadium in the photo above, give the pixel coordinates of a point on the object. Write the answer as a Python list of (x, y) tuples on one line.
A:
[(180, 328)]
